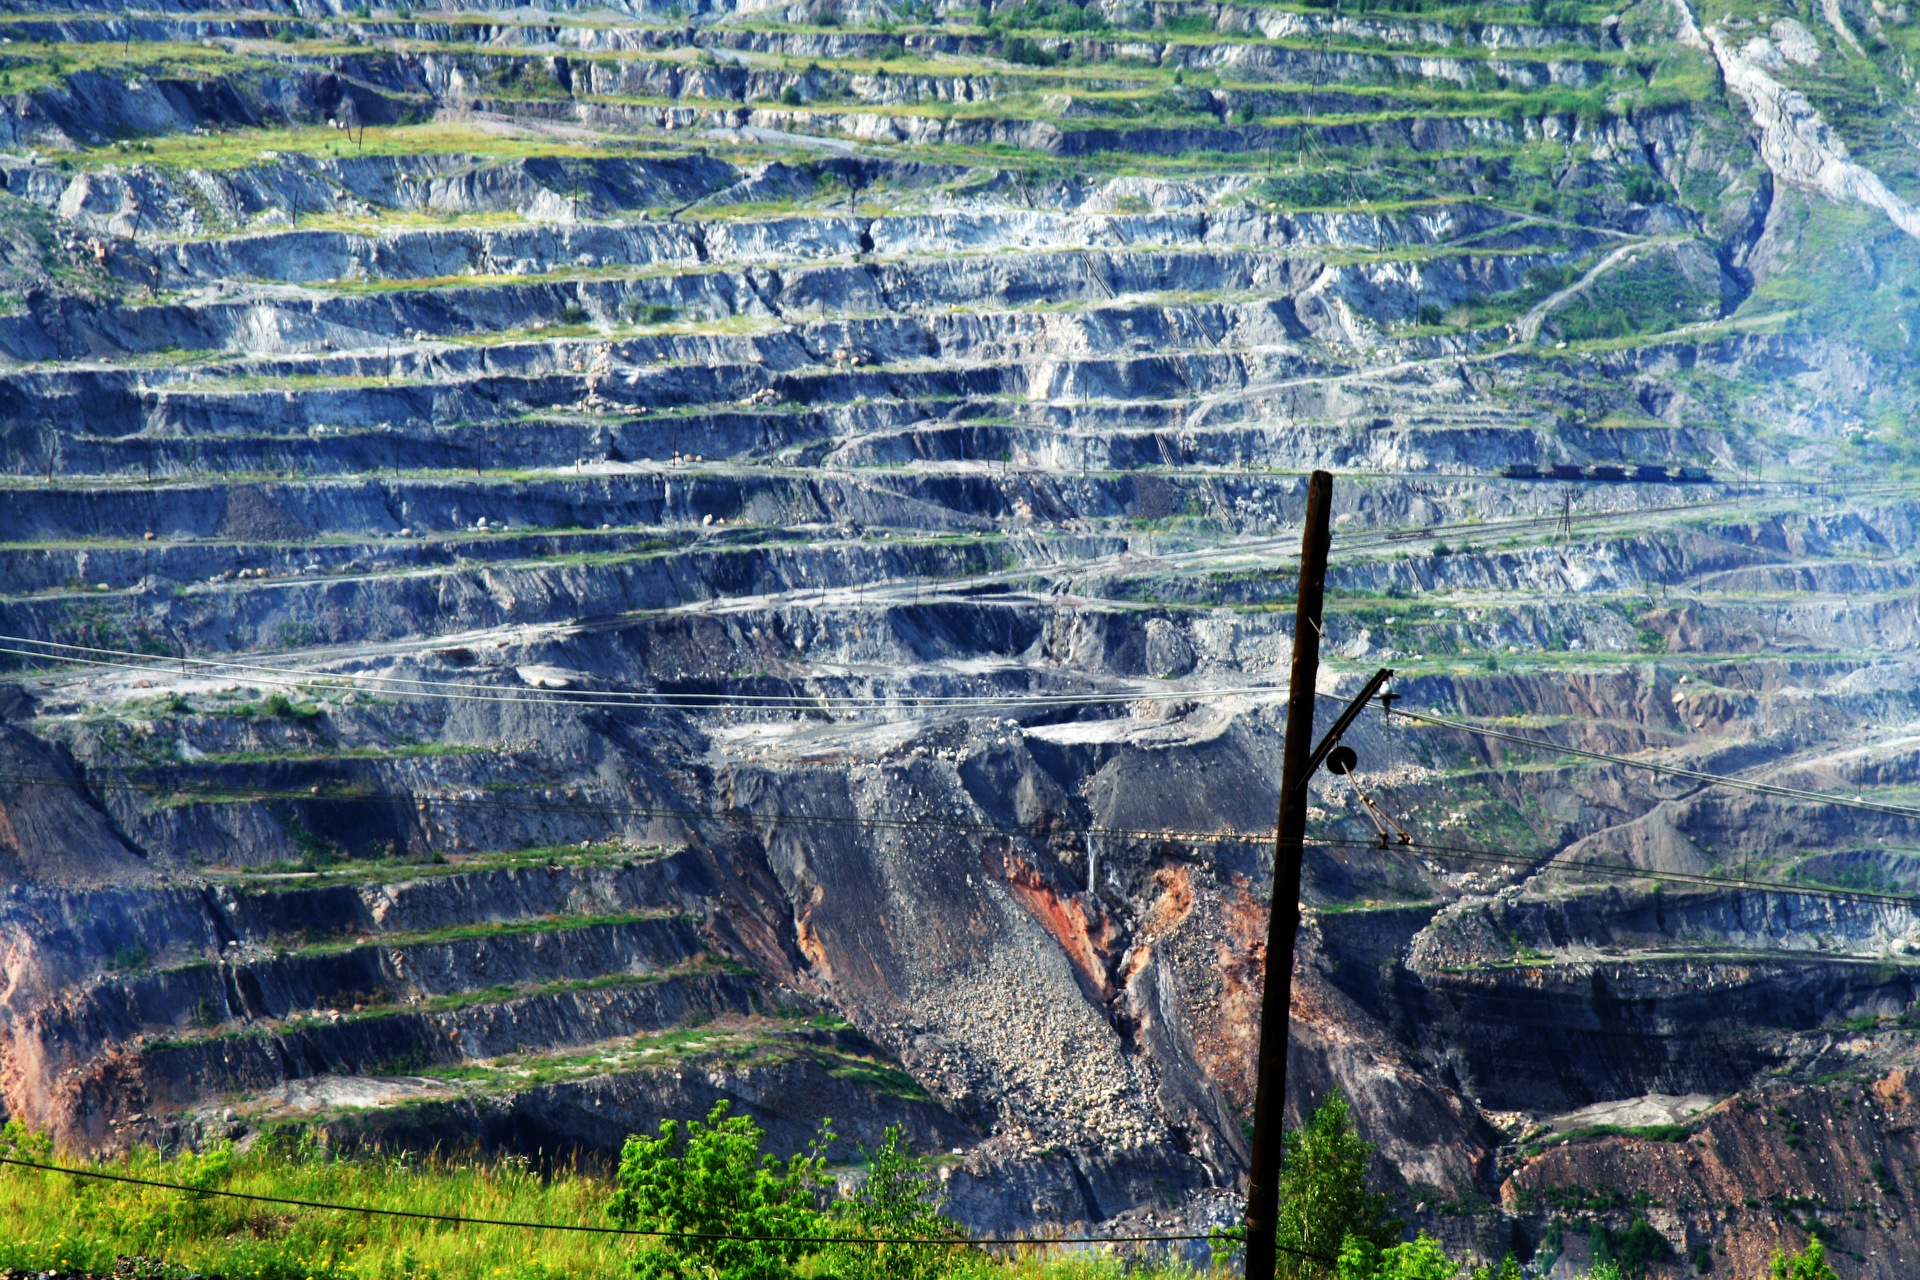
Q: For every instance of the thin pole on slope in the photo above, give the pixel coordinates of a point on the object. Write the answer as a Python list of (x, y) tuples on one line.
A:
[(1283, 922), (1283, 919)]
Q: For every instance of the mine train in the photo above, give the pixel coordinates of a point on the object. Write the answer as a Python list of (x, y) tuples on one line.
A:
[(1606, 473)]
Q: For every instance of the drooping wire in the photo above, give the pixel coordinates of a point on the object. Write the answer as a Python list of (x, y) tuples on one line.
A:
[(308, 680), (1773, 789), (746, 817), (655, 1233)]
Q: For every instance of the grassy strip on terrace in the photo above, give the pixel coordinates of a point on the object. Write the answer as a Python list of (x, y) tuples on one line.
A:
[(481, 929), (734, 1040), (297, 755), (1590, 1132), (241, 147), (389, 870), (738, 1041), (387, 221), (27, 66), (563, 274), (452, 1003), (1098, 46)]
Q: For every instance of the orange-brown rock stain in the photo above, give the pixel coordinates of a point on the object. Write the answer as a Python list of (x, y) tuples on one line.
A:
[(1085, 932), (1240, 960), (1214, 935), (1756, 1170), (808, 941)]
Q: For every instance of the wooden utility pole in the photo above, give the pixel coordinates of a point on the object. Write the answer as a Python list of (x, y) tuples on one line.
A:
[(1283, 918)]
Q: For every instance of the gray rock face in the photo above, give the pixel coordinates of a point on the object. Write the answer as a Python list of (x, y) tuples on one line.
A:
[(566, 567)]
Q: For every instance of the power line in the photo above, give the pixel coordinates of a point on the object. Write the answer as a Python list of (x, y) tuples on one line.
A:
[(1458, 853), (470, 691), (247, 795), (458, 691), (655, 1233), (1363, 541), (1774, 789), (747, 817)]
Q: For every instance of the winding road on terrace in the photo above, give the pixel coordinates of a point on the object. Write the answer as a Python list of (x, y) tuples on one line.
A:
[(424, 538)]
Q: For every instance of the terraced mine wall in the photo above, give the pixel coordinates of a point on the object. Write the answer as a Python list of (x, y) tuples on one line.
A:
[(562, 566)]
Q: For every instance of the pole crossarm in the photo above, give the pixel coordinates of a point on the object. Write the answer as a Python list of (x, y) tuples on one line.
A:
[(1345, 722)]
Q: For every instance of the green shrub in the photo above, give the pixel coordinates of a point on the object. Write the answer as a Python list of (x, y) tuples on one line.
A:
[(1632, 1249), (897, 1200), (1421, 1258), (1647, 295), (1646, 188), (316, 852), (1050, 15), (1809, 1264), (712, 1179), (1024, 52), (281, 707), (129, 958), (640, 311), (1325, 1203)]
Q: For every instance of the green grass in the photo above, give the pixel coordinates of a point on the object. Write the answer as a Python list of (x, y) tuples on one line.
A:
[(52, 1223), (1649, 1132), (757, 1040), (388, 869), (497, 994), (294, 755), (749, 1041), (242, 147), (488, 929)]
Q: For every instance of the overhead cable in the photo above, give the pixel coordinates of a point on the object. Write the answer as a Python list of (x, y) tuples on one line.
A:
[(655, 1233), (1773, 789), (311, 680), (1623, 871), (214, 794)]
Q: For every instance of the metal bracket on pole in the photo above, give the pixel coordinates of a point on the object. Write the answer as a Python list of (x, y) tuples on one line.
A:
[(1345, 722)]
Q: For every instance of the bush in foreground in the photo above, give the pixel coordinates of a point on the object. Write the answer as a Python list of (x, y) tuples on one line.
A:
[(692, 1181)]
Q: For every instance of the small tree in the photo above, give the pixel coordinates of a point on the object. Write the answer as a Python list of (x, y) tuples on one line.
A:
[(897, 1203), (717, 1182), (1508, 1268), (1809, 1264), (1324, 1200), (1417, 1259)]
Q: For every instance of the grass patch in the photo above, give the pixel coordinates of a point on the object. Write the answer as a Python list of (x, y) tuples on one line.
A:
[(485, 929), (50, 1223), (499, 993), (53, 1223), (373, 870), (1649, 1132)]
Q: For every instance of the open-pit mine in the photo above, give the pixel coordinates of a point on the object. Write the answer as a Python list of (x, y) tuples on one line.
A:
[(562, 564)]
